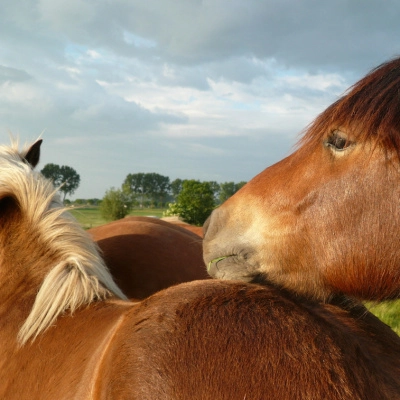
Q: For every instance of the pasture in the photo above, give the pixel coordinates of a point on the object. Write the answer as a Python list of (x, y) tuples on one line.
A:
[(388, 312), (90, 217)]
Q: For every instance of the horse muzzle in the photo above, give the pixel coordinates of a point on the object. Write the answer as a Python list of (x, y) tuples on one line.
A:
[(225, 253)]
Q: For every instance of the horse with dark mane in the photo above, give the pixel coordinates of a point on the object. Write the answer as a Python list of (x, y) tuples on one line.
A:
[(146, 255), (326, 219), (67, 331)]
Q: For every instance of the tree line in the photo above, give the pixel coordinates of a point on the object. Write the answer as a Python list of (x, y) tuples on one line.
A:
[(155, 190), (190, 199)]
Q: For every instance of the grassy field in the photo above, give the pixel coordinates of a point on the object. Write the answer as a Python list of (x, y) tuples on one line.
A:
[(388, 312), (89, 217)]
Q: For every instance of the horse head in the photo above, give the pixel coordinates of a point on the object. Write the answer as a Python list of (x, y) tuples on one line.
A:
[(326, 219)]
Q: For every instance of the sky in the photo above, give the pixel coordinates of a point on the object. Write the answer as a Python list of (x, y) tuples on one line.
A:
[(214, 90)]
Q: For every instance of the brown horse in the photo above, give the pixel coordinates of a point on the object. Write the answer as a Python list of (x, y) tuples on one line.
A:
[(66, 331), (326, 219), (145, 255), (198, 230)]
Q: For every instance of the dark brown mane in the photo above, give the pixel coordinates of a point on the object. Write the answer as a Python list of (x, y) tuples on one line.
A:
[(370, 110)]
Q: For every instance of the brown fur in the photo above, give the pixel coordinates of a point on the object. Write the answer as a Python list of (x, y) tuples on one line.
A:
[(201, 340), (323, 221), (198, 230), (145, 255)]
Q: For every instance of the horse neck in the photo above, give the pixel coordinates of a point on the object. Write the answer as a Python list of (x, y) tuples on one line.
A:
[(21, 272), (21, 252), (375, 338), (45, 252)]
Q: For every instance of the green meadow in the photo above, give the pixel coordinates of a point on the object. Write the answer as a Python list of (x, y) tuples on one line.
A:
[(388, 312), (89, 217)]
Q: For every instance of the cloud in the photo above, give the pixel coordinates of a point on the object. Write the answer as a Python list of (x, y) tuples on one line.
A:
[(306, 34), (211, 90), (12, 75)]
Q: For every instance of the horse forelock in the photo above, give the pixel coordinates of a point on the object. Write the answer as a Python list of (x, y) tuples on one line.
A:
[(369, 110), (79, 275)]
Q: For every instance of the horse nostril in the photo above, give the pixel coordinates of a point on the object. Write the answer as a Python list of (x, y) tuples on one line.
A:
[(213, 224)]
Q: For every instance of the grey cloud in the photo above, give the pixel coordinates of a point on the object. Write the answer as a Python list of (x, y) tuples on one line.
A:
[(70, 66), (13, 75), (309, 33), (240, 69), (84, 110)]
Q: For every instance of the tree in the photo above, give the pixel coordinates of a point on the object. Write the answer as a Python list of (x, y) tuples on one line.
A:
[(228, 189), (157, 186), (133, 186), (194, 203), (240, 185), (215, 187), (115, 204), (64, 177), (151, 186), (176, 187)]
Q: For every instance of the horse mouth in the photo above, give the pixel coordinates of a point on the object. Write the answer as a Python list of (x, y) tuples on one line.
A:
[(216, 261), (232, 266)]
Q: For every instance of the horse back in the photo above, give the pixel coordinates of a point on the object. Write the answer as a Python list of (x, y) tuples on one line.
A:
[(228, 340), (146, 255), (206, 340)]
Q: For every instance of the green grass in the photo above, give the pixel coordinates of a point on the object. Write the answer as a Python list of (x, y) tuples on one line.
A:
[(388, 312), (89, 217), (148, 212)]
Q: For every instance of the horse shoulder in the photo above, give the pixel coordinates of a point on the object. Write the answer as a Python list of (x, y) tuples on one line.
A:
[(238, 341)]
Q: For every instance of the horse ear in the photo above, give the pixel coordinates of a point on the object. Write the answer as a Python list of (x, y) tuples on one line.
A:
[(33, 154)]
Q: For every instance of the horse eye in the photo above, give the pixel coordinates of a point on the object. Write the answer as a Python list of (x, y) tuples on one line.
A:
[(338, 142)]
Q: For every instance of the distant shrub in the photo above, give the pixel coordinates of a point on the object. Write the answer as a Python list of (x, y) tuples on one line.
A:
[(115, 205), (194, 203)]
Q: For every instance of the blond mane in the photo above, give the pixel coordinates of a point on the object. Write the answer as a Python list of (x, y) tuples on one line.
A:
[(80, 277)]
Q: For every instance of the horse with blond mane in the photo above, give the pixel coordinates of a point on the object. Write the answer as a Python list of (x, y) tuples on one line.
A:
[(68, 332)]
